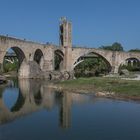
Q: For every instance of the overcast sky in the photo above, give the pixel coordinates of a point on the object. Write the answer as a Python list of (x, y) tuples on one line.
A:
[(95, 22)]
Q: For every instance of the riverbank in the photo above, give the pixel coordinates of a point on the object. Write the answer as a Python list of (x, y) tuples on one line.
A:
[(103, 86)]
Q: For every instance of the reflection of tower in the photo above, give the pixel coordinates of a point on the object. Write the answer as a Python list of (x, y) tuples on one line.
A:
[(66, 42), (65, 110)]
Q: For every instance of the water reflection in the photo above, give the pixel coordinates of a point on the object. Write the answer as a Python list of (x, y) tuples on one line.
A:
[(31, 109), (19, 103), (34, 95), (65, 109)]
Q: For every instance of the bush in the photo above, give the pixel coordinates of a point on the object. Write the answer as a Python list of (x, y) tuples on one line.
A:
[(7, 66)]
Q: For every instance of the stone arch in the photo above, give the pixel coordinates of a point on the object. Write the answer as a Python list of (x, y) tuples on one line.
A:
[(130, 61), (133, 60), (89, 54), (19, 54), (39, 57), (59, 59)]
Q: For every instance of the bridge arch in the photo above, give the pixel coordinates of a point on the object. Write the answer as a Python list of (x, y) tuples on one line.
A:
[(132, 62), (91, 54), (39, 57), (58, 60), (18, 52)]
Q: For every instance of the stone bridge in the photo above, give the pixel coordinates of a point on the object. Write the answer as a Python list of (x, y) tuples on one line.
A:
[(37, 58)]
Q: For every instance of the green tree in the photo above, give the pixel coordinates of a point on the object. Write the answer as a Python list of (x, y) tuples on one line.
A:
[(114, 47), (134, 50), (10, 66), (91, 67), (117, 47)]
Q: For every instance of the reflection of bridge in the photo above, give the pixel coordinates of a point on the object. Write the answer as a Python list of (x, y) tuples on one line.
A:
[(34, 96), (28, 52), (31, 98)]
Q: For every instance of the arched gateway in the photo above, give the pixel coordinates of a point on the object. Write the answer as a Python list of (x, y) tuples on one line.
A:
[(44, 54)]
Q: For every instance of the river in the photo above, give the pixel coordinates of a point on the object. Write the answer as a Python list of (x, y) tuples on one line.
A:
[(30, 110)]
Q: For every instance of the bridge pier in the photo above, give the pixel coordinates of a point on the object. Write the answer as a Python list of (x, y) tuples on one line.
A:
[(67, 65), (115, 69), (2, 54)]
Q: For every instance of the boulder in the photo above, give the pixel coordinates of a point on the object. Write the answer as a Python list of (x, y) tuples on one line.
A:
[(124, 72)]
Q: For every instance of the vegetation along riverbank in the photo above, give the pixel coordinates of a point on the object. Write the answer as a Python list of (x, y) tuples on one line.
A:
[(103, 86)]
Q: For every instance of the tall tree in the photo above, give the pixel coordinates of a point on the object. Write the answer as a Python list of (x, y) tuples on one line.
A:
[(117, 47), (114, 47)]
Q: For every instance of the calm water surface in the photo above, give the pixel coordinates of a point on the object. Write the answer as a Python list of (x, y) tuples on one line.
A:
[(31, 110)]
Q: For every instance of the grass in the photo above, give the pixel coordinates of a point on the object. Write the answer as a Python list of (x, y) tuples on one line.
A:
[(119, 86)]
